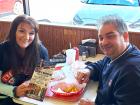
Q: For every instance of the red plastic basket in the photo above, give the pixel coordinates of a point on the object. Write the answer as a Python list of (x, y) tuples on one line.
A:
[(54, 89)]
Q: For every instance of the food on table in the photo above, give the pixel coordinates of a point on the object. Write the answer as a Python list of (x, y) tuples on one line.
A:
[(66, 89), (71, 88)]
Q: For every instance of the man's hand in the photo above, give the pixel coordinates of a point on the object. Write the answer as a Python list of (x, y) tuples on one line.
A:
[(83, 75), (84, 101)]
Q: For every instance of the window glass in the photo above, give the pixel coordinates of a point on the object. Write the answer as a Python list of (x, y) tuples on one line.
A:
[(84, 12), (92, 10), (10, 8), (115, 2), (54, 11), (75, 12)]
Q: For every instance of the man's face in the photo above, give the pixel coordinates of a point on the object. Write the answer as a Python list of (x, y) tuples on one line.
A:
[(111, 42)]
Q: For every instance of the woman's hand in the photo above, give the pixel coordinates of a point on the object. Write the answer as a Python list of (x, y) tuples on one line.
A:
[(84, 101), (22, 89), (83, 75)]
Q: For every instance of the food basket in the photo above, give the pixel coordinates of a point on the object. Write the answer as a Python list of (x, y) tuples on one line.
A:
[(73, 90)]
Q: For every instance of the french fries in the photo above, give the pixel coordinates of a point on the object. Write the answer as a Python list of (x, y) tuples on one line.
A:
[(72, 88)]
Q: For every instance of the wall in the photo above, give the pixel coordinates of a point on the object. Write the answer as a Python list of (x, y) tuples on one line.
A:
[(57, 38)]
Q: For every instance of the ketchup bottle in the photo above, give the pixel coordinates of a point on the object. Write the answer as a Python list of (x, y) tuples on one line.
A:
[(77, 53)]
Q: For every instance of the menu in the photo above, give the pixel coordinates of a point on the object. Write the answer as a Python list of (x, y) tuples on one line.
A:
[(39, 81)]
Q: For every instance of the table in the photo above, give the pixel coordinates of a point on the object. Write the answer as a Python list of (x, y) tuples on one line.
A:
[(94, 58), (90, 92)]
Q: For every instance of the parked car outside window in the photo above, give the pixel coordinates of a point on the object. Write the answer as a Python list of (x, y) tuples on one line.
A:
[(92, 10), (11, 6)]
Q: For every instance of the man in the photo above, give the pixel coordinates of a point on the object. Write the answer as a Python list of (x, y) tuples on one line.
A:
[(119, 72)]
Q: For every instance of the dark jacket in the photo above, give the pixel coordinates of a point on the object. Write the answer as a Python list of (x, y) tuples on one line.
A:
[(119, 81), (5, 56)]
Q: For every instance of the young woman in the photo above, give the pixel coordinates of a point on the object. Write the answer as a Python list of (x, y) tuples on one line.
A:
[(20, 53)]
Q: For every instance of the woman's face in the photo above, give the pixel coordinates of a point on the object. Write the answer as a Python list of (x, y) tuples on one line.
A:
[(25, 35)]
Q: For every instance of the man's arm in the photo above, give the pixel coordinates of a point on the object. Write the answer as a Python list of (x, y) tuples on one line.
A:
[(127, 86)]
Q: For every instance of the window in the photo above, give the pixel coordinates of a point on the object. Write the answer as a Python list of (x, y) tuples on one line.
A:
[(54, 11), (92, 10), (85, 12), (115, 2), (10, 7), (74, 12)]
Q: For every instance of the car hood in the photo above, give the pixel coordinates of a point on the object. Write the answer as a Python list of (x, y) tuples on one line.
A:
[(89, 14)]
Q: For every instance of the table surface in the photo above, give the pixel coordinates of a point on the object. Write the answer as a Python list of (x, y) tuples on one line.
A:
[(90, 92)]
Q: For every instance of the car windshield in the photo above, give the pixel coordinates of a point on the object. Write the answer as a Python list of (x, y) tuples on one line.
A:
[(115, 2)]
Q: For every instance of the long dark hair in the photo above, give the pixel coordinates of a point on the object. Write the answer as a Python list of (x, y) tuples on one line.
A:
[(30, 60)]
